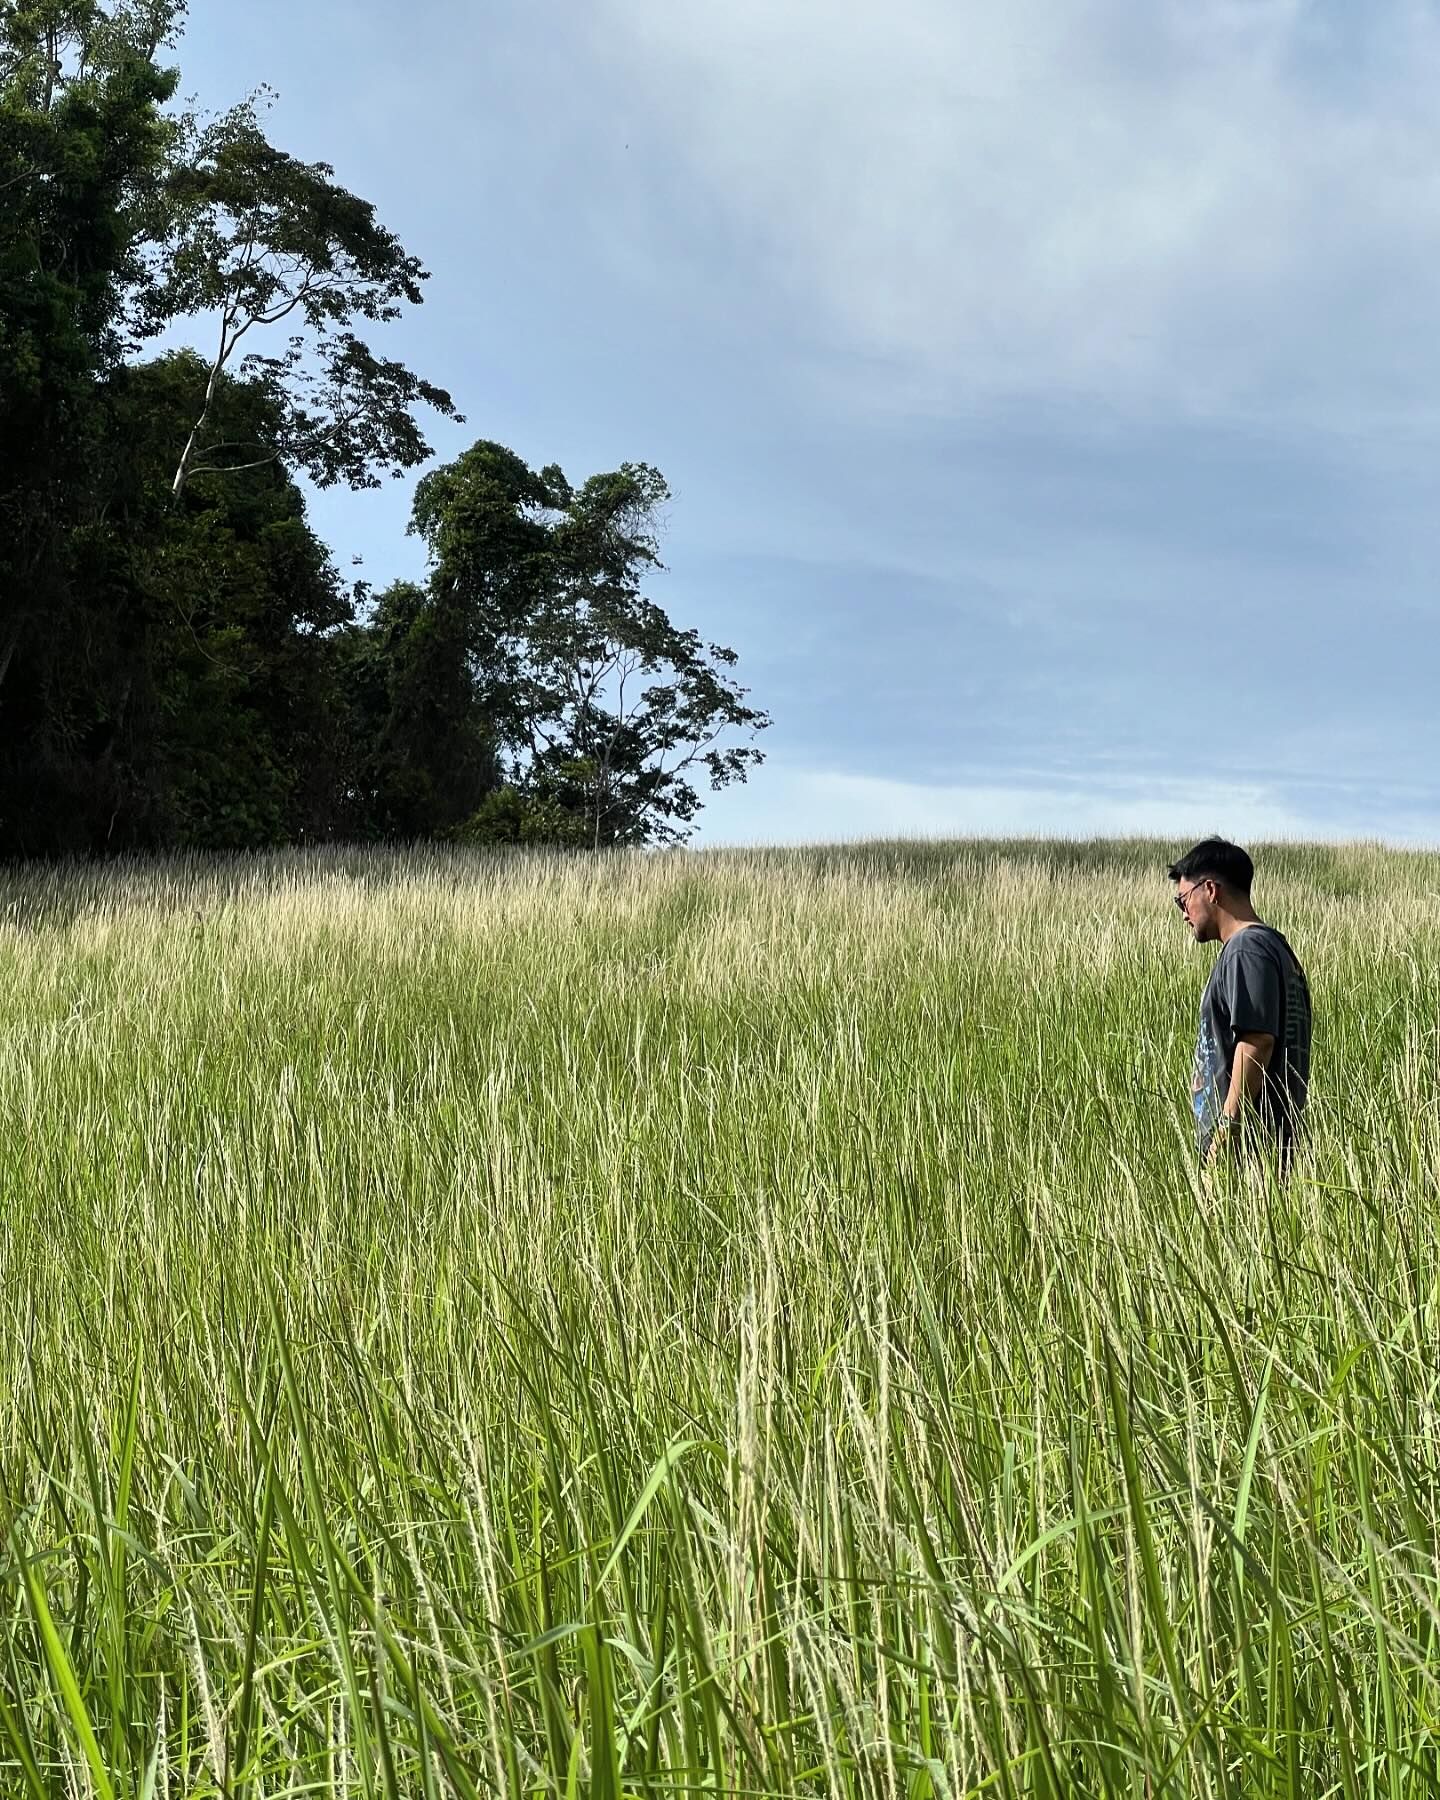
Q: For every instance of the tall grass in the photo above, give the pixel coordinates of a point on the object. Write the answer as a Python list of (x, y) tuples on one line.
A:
[(730, 1323)]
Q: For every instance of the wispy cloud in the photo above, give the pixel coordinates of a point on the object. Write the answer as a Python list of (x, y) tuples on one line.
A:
[(1217, 206), (796, 805)]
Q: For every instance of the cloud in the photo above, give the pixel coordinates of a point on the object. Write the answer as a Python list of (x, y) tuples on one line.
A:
[(797, 805), (1217, 206)]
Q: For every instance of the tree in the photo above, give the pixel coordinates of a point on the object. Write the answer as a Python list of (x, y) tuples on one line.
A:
[(238, 602), (604, 706), (121, 628), (178, 662), (421, 753), (191, 699), (83, 148), (262, 239)]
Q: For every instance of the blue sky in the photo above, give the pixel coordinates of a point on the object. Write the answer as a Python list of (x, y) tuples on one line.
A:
[(1049, 389)]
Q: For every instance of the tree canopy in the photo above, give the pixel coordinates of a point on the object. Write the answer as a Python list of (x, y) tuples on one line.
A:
[(180, 663), (603, 707)]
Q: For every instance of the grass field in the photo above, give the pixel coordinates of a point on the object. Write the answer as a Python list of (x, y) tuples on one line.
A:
[(728, 1323)]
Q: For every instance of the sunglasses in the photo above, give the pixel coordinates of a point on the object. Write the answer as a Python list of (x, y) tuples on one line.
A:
[(1183, 900)]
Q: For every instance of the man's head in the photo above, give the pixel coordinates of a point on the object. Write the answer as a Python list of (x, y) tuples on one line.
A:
[(1212, 884)]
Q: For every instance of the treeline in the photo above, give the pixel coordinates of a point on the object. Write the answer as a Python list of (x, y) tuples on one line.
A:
[(180, 662)]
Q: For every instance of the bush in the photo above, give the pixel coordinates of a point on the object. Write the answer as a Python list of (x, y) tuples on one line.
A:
[(511, 816)]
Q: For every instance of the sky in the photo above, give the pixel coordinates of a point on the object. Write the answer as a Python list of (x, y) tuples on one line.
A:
[(1049, 390)]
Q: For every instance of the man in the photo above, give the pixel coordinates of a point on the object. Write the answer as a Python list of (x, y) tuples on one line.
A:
[(1252, 1056)]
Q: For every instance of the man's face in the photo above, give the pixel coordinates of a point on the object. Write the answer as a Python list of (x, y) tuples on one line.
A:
[(1197, 903)]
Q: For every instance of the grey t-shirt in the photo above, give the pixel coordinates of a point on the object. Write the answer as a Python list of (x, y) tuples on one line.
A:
[(1257, 984)]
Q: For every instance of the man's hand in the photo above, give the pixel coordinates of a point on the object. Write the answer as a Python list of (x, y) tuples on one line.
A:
[(1219, 1148), (1253, 1051)]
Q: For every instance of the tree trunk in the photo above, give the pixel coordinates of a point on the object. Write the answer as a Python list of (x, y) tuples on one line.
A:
[(187, 456)]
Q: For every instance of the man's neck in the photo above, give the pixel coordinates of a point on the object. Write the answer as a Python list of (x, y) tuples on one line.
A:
[(1231, 922)]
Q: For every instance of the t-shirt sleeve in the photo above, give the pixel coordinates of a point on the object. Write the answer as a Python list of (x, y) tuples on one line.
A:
[(1253, 989)]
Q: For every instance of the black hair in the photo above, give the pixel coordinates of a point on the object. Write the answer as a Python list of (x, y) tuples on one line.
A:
[(1216, 859)]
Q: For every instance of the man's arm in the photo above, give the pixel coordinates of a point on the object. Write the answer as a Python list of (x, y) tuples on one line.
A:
[(1253, 1050)]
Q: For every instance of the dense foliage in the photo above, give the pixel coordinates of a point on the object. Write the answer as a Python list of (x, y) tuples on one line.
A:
[(180, 664)]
